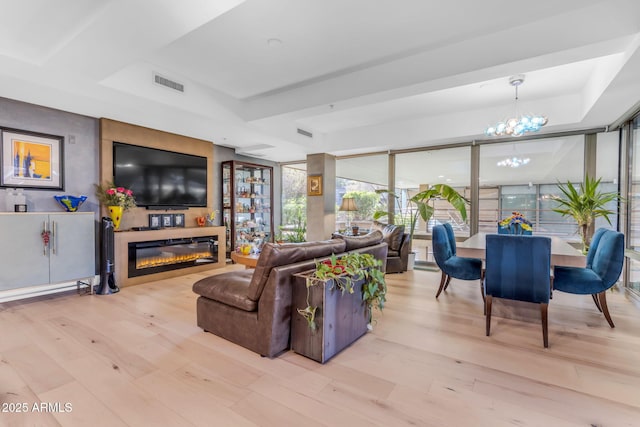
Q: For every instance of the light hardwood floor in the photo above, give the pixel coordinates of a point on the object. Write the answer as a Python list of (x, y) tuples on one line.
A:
[(137, 358)]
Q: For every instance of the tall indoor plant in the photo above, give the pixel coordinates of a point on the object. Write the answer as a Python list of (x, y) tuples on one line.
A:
[(585, 204), (419, 204)]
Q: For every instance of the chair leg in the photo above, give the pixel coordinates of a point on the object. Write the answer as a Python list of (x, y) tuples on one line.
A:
[(442, 280), (446, 285), (595, 300), (482, 289), (602, 297), (487, 309), (544, 307)]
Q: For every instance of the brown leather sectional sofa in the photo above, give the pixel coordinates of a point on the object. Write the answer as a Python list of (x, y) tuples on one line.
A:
[(252, 308)]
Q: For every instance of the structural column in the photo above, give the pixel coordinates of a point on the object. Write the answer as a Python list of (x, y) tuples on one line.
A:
[(321, 209)]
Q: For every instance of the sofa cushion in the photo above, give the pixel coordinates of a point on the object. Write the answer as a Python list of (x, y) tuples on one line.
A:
[(357, 242), (228, 288), (274, 255), (391, 234), (393, 254)]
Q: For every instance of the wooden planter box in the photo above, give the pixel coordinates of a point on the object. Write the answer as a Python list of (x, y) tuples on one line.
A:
[(340, 319)]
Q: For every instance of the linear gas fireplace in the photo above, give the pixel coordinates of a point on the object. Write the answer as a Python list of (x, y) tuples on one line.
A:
[(171, 254)]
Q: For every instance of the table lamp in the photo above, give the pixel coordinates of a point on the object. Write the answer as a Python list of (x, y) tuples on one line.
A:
[(348, 205)]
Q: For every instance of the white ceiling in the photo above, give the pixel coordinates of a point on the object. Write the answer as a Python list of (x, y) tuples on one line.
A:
[(361, 76)]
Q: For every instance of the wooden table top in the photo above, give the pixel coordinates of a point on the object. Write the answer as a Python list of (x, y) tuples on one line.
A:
[(562, 253), (250, 261)]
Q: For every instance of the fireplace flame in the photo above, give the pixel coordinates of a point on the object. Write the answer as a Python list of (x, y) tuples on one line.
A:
[(169, 258)]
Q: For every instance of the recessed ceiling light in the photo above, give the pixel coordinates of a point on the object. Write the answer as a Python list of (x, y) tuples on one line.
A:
[(274, 42)]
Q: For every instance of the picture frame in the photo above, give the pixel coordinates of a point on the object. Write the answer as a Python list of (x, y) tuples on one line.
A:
[(314, 185), (31, 160), (155, 220), (178, 220), (167, 220)]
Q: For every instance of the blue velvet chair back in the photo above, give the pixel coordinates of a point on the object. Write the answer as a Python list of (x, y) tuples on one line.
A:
[(595, 242), (518, 267), (607, 247), (451, 236), (442, 249)]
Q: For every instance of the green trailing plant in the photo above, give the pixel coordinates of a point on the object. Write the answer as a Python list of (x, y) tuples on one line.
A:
[(585, 203), (419, 204), (344, 272)]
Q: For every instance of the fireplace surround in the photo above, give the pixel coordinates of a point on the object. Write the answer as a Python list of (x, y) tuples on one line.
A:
[(161, 242)]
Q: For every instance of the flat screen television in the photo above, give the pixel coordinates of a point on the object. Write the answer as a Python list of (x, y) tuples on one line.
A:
[(160, 179)]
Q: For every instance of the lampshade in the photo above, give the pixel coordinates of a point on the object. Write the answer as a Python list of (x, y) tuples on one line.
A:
[(348, 204)]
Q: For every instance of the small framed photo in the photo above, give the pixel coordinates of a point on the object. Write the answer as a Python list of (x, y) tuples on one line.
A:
[(314, 185), (154, 220), (167, 220), (31, 160), (178, 220)]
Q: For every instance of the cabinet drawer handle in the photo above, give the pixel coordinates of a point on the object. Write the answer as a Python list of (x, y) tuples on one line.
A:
[(53, 237)]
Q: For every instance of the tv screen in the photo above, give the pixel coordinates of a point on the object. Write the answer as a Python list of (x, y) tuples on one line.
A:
[(160, 178)]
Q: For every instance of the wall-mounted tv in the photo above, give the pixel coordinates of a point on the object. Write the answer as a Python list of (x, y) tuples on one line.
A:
[(160, 179)]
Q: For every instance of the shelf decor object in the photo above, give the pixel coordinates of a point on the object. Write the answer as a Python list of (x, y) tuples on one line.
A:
[(70, 203), (115, 213), (117, 200)]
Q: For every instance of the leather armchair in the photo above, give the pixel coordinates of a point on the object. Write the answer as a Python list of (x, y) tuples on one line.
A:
[(399, 244)]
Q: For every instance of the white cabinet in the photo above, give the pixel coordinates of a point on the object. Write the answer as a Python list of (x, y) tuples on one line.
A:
[(25, 259)]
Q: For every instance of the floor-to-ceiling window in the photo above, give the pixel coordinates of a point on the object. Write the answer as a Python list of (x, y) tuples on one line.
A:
[(359, 178), (523, 176), (415, 172), (294, 203), (633, 233)]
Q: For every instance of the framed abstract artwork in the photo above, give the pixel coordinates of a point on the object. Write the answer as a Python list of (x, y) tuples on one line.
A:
[(31, 160)]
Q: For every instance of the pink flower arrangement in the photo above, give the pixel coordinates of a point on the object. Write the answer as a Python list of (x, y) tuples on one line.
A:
[(111, 195)]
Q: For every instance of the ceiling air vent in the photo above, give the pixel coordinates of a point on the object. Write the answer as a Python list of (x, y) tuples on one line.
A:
[(305, 133), (158, 79)]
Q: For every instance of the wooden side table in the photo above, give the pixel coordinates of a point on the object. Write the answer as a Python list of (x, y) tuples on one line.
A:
[(249, 261)]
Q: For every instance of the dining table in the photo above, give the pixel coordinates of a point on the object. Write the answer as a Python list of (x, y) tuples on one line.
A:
[(562, 253)]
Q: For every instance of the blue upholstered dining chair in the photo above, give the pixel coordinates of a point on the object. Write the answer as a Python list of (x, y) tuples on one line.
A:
[(517, 268), (603, 268), (444, 251)]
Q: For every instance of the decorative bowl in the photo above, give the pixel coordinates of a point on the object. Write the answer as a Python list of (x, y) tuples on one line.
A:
[(70, 203)]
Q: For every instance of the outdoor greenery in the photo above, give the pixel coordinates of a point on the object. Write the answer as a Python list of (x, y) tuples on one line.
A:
[(419, 204), (344, 271), (585, 204), (366, 201), (295, 232)]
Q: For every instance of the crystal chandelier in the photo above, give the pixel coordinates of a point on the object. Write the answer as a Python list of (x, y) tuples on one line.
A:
[(517, 125)]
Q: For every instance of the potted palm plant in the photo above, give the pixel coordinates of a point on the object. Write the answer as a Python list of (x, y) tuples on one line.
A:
[(585, 204), (419, 204)]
